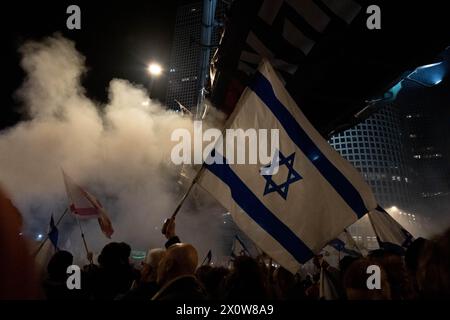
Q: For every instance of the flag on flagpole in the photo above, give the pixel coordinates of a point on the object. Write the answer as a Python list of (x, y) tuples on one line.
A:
[(327, 289), (53, 233), (345, 244), (293, 214), (390, 234), (239, 248), (207, 260), (86, 206)]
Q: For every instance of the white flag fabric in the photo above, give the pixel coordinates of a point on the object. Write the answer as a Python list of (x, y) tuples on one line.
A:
[(327, 289), (84, 205), (79, 204), (345, 244), (316, 193), (390, 234)]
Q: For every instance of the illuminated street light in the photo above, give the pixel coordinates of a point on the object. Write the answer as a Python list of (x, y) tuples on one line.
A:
[(154, 69)]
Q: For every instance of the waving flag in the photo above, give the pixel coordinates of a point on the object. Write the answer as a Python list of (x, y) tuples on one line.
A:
[(345, 244), (293, 214), (84, 205), (208, 257), (390, 234), (239, 248), (53, 233)]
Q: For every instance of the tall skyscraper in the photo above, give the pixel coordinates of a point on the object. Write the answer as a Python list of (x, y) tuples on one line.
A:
[(428, 130), (377, 147), (183, 84)]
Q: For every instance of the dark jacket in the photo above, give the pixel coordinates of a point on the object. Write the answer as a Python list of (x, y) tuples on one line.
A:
[(184, 288), (144, 291)]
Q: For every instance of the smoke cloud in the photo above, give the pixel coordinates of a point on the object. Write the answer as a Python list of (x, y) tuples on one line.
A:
[(120, 152)]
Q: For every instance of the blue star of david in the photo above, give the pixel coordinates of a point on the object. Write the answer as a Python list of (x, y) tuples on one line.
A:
[(292, 176)]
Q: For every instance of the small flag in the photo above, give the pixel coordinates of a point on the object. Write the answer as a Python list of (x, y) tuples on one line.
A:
[(85, 205), (207, 260), (390, 234), (239, 248), (53, 233)]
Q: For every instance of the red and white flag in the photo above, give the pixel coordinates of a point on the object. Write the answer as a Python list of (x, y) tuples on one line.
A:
[(84, 205)]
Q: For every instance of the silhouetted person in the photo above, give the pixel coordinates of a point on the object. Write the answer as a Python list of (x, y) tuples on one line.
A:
[(211, 278), (114, 275), (246, 281), (55, 285), (433, 274), (176, 275), (355, 282)]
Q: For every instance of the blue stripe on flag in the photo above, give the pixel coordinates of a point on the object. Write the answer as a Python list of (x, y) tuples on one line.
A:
[(245, 198), (263, 88)]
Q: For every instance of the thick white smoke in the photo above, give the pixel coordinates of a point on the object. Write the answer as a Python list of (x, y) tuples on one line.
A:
[(120, 152)]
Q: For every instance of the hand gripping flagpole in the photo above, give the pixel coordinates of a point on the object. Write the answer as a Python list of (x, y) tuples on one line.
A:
[(46, 238), (197, 176)]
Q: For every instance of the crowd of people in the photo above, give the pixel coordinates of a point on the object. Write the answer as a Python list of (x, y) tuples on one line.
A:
[(173, 274)]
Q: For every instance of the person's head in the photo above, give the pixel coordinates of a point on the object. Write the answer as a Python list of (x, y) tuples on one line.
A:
[(246, 280), (112, 255), (18, 279), (180, 259), (433, 273), (150, 264), (125, 251), (283, 282), (393, 264), (356, 278), (413, 252), (57, 266), (211, 278)]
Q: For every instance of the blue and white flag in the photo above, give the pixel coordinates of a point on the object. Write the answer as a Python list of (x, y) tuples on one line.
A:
[(293, 214), (390, 234), (345, 244)]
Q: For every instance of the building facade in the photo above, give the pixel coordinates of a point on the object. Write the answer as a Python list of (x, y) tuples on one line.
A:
[(378, 149), (428, 132), (183, 79)]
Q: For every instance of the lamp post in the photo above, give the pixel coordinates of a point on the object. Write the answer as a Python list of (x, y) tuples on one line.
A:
[(155, 70)]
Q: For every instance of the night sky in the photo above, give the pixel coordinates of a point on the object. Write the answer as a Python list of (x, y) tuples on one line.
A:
[(117, 38)]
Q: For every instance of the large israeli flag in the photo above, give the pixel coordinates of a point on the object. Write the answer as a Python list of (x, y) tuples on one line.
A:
[(293, 214)]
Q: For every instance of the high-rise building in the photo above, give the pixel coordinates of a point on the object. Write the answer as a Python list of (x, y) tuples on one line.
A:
[(377, 148), (183, 82), (428, 131)]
